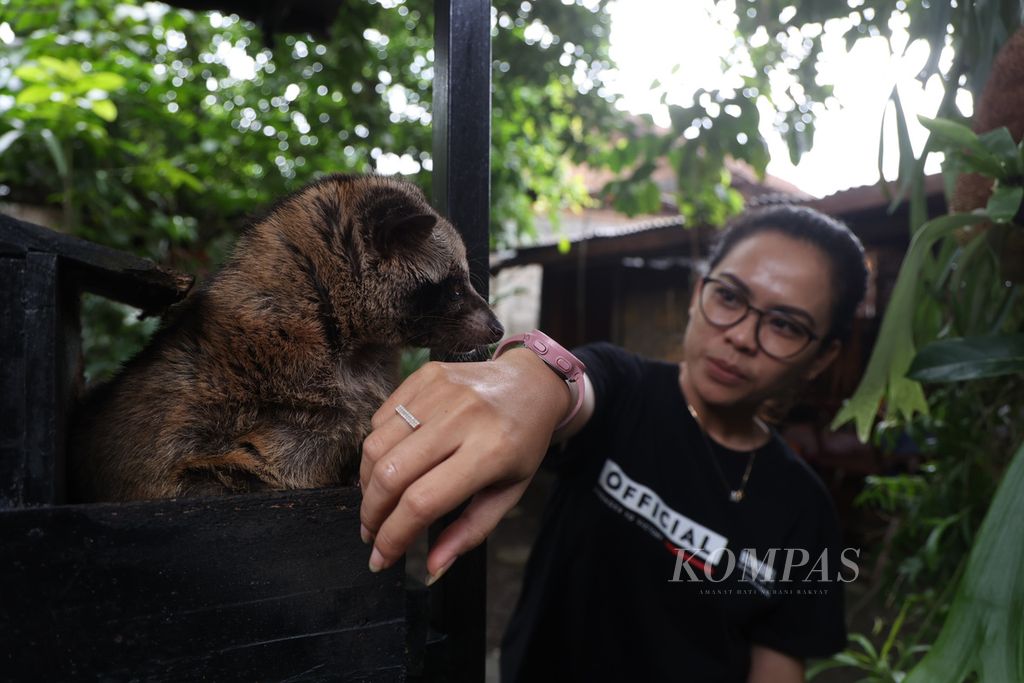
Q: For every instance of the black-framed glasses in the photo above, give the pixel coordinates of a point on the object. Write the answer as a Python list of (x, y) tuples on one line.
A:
[(778, 334)]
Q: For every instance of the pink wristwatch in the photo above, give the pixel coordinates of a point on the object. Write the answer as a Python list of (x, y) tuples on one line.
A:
[(567, 366)]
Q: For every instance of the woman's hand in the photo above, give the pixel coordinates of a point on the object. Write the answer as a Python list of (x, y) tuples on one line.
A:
[(484, 430)]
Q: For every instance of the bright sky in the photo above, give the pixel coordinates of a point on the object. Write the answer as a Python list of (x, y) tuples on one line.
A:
[(650, 36)]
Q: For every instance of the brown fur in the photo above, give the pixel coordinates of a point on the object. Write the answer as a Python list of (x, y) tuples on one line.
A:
[(267, 376)]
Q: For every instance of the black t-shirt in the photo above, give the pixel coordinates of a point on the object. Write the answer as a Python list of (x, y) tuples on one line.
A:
[(617, 587)]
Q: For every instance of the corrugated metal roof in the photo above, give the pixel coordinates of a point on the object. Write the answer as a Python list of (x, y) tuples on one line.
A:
[(603, 224)]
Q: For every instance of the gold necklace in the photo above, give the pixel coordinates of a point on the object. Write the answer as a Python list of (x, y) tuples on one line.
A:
[(735, 495)]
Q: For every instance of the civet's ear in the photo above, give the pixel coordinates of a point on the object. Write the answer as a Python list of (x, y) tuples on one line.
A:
[(397, 233)]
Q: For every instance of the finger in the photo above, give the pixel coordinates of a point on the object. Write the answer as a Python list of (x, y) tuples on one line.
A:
[(434, 494), (472, 527), (379, 443), (410, 458), (389, 428), (394, 455)]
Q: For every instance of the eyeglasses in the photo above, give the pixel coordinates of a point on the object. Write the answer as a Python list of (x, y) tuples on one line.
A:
[(777, 334)]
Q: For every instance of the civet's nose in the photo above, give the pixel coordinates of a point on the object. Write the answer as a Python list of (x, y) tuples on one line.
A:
[(497, 330)]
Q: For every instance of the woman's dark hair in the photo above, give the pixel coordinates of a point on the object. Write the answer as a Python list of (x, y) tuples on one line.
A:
[(832, 237)]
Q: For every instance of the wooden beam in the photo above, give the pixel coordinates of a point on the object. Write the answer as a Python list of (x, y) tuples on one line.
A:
[(242, 588), (12, 382), (114, 274)]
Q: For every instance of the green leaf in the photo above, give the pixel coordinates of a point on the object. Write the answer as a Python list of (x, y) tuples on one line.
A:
[(956, 360), (681, 117), (32, 73), (952, 133), (865, 645), (177, 177), (909, 173), (968, 146), (885, 376), (1000, 143), (34, 94), (815, 668), (931, 546), (105, 109), (1004, 202), (982, 632), (59, 160), (68, 69), (8, 138), (103, 80)]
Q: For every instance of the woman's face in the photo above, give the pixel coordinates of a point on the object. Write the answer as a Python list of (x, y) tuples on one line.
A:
[(774, 272)]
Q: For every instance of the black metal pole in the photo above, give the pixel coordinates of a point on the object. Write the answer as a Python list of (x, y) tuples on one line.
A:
[(461, 182), (462, 124)]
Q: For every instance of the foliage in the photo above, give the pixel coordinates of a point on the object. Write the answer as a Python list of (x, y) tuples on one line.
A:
[(198, 145), (214, 123), (934, 510), (775, 63), (549, 112), (955, 296), (984, 632), (113, 333), (952, 360), (885, 375), (977, 298), (955, 302), (970, 32)]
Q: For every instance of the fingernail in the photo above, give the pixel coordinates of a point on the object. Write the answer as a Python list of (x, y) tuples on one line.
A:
[(365, 534), (376, 561), (440, 572)]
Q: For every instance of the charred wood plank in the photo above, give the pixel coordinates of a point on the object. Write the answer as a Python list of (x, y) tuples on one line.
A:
[(12, 381), (114, 274), (256, 587)]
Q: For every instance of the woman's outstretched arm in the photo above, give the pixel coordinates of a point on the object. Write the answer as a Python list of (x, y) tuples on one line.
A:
[(484, 430)]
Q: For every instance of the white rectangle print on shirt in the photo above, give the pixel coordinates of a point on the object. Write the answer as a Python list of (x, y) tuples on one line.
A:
[(677, 528)]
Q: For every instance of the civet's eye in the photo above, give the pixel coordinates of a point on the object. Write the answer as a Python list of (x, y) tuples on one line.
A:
[(456, 291)]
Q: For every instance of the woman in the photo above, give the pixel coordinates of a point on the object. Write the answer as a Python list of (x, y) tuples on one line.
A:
[(684, 540)]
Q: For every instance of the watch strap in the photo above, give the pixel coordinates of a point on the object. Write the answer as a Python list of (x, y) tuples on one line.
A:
[(555, 356)]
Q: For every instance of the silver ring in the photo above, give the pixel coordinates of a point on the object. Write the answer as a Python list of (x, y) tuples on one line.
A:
[(407, 416)]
